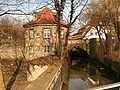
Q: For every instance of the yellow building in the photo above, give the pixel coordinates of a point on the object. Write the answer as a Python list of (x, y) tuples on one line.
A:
[(41, 34)]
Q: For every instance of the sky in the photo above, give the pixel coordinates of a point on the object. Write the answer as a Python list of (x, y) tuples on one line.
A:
[(26, 6), (29, 6)]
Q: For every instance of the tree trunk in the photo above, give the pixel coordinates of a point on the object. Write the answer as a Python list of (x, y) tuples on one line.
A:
[(108, 44), (13, 78), (58, 45), (1, 79), (93, 50), (117, 30), (64, 51), (118, 35)]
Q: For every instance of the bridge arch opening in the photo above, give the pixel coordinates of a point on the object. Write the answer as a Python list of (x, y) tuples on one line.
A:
[(78, 54)]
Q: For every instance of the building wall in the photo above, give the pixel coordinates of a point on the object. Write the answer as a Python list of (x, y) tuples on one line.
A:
[(82, 43), (93, 33), (35, 46)]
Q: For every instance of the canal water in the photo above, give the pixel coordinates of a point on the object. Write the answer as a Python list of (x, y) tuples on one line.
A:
[(77, 84), (80, 78)]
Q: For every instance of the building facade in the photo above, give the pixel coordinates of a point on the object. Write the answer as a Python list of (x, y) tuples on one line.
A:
[(41, 34)]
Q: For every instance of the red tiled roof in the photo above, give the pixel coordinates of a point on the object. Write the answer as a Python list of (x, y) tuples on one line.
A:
[(81, 35), (46, 16)]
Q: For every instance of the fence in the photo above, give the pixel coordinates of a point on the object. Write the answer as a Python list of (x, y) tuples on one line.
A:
[(56, 82), (114, 86)]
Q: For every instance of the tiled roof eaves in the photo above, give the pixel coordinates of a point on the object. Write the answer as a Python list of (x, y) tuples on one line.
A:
[(39, 24)]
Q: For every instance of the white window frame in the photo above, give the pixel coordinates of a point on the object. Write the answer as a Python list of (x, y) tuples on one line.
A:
[(46, 49), (46, 33), (31, 33)]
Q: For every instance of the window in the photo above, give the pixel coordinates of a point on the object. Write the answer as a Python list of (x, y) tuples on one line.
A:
[(46, 49), (46, 33), (91, 33), (32, 33)]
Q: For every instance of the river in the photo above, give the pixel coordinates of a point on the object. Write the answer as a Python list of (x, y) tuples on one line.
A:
[(77, 84), (80, 79)]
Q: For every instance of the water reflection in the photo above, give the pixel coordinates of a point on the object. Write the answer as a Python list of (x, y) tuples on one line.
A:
[(77, 84)]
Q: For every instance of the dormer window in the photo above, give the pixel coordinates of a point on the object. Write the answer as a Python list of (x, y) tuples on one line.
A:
[(46, 33), (31, 33)]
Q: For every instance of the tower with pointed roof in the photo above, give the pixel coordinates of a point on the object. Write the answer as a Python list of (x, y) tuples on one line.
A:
[(41, 33)]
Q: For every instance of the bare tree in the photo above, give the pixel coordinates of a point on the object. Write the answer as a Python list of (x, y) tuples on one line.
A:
[(1, 79), (114, 13), (12, 35), (73, 14), (104, 17)]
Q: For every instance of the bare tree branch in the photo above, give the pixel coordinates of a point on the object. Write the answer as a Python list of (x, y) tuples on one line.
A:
[(79, 12)]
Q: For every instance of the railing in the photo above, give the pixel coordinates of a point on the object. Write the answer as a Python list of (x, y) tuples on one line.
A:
[(114, 86), (56, 82)]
